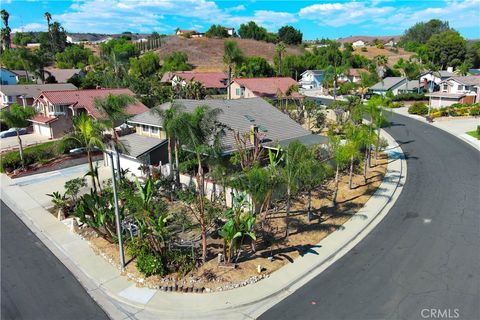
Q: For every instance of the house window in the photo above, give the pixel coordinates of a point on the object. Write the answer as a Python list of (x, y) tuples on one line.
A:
[(145, 128), (238, 91), (445, 87), (460, 87), (155, 130)]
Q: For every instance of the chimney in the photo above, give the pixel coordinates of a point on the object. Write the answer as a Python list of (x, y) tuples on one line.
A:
[(254, 134), (449, 69)]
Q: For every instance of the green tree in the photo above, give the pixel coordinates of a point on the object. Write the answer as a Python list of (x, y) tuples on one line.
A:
[(87, 133), (17, 117), (290, 35), (254, 67), (447, 49), (122, 49), (341, 155), (312, 176), (462, 70), (176, 61), (280, 49), (145, 65), (58, 38), (217, 31), (22, 38), (253, 31), (421, 32), (232, 57), (112, 110), (5, 32), (75, 56)]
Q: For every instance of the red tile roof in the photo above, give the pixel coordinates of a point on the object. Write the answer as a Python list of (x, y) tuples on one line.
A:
[(355, 72), (267, 86), (210, 80), (85, 99), (42, 119)]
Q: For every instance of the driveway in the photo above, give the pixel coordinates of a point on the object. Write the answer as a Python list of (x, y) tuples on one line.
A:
[(422, 260), (27, 140)]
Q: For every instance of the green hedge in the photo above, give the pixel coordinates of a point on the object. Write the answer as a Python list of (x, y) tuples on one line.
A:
[(419, 108), (409, 96), (36, 154)]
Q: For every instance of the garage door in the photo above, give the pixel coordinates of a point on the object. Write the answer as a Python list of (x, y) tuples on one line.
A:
[(41, 129)]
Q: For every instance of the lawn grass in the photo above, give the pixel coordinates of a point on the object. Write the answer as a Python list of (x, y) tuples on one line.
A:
[(474, 134)]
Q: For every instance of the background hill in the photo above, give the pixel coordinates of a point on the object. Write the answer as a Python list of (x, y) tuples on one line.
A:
[(206, 54)]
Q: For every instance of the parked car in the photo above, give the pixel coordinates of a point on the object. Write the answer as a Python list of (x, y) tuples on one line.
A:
[(12, 132)]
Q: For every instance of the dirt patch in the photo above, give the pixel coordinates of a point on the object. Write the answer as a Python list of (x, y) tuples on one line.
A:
[(304, 235), (393, 57)]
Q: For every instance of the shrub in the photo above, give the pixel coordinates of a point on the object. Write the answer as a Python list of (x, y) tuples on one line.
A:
[(150, 264), (409, 96), (419, 108), (478, 130), (40, 153), (396, 105), (475, 111)]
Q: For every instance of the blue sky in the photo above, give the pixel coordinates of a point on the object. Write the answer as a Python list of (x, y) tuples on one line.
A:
[(316, 19)]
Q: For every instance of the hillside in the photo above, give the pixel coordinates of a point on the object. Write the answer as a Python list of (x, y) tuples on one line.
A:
[(368, 39), (207, 54), (392, 56)]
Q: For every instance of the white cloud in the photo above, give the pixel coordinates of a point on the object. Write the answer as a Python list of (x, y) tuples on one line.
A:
[(383, 15), (31, 27)]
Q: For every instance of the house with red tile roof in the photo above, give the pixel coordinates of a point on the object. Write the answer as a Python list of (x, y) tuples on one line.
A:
[(272, 87), (210, 80), (56, 109)]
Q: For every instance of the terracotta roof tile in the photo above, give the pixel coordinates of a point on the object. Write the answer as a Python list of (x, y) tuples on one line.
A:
[(85, 99), (210, 80), (42, 119)]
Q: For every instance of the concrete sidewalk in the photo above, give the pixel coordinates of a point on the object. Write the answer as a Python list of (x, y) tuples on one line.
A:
[(454, 126), (123, 299)]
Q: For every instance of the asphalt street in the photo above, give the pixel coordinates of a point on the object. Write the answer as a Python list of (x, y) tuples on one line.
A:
[(423, 260), (35, 284)]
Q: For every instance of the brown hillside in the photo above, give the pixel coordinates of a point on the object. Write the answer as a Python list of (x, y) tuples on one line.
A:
[(392, 56), (207, 54)]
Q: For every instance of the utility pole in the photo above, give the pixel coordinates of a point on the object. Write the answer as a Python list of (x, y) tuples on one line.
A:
[(117, 213)]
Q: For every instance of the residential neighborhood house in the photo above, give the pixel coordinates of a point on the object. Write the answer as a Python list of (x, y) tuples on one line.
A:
[(273, 87), (62, 75), (352, 75), (56, 109), (464, 89), (312, 79), (396, 85), (189, 33), (210, 80), (358, 44), (7, 77), (430, 80), (25, 94), (242, 115)]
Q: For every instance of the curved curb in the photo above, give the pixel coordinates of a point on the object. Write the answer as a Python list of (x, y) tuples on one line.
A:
[(244, 302)]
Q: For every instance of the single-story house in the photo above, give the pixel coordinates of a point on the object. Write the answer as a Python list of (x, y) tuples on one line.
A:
[(352, 75), (430, 80), (396, 85), (240, 115), (358, 44), (7, 77), (192, 33), (25, 94), (262, 87), (210, 80), (231, 31), (56, 109), (464, 89), (25, 75), (312, 79)]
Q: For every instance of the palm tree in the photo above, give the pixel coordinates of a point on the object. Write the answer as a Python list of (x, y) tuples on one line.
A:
[(204, 133), (88, 134), (380, 63), (341, 157), (312, 175), (462, 70), (280, 49), (232, 56), (48, 17), (294, 157), (112, 109), (17, 117), (355, 138), (5, 36)]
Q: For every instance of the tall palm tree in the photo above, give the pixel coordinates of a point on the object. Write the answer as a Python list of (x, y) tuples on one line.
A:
[(17, 117), (112, 109), (462, 70), (88, 134), (48, 17), (232, 57), (6, 40), (380, 64), (204, 133), (280, 49)]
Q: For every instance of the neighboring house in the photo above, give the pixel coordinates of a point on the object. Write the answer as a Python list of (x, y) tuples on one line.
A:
[(358, 44), (210, 80), (430, 80), (464, 89), (56, 109), (262, 87), (352, 75), (312, 79), (62, 75), (391, 43), (25, 75), (24, 94), (7, 77), (191, 33), (396, 85), (231, 31), (244, 116), (474, 72)]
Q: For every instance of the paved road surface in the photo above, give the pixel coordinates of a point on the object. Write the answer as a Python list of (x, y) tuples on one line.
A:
[(35, 284), (424, 255)]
